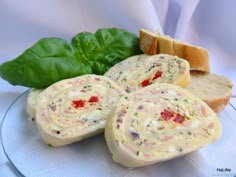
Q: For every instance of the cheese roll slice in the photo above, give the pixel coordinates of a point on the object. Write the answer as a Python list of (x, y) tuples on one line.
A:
[(73, 109), (142, 70), (158, 123), (32, 102)]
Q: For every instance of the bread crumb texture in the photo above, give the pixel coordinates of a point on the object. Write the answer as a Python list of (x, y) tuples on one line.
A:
[(213, 89)]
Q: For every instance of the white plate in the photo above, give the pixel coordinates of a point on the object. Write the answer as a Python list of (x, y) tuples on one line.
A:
[(25, 150)]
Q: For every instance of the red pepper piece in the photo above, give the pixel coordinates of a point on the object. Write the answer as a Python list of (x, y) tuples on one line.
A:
[(145, 83), (166, 115), (179, 118), (157, 75), (78, 103), (93, 99)]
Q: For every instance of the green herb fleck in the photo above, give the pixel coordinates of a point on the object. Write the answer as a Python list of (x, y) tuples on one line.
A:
[(85, 119), (186, 100), (124, 79), (180, 149), (50, 145), (87, 86), (189, 133), (137, 153)]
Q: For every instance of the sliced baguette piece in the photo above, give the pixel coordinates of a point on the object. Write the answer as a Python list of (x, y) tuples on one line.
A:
[(157, 123), (213, 89), (140, 71), (155, 43), (148, 42)]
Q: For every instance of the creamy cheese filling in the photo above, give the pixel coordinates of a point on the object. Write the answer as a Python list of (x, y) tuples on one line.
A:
[(32, 102), (140, 71), (78, 106), (162, 123)]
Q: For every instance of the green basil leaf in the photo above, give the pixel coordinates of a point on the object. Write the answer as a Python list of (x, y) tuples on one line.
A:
[(54, 59), (106, 46), (46, 62)]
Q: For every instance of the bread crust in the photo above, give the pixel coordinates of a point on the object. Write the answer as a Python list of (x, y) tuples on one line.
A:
[(155, 43), (218, 105), (148, 43), (197, 57)]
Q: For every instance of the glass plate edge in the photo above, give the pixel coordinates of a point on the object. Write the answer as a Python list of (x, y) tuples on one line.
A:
[(2, 122), (1, 127)]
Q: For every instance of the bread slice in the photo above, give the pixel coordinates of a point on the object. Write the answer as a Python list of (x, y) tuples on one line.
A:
[(155, 43), (213, 89)]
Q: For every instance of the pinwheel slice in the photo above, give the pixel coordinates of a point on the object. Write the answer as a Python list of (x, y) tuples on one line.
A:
[(73, 109), (32, 102), (158, 123), (142, 70)]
